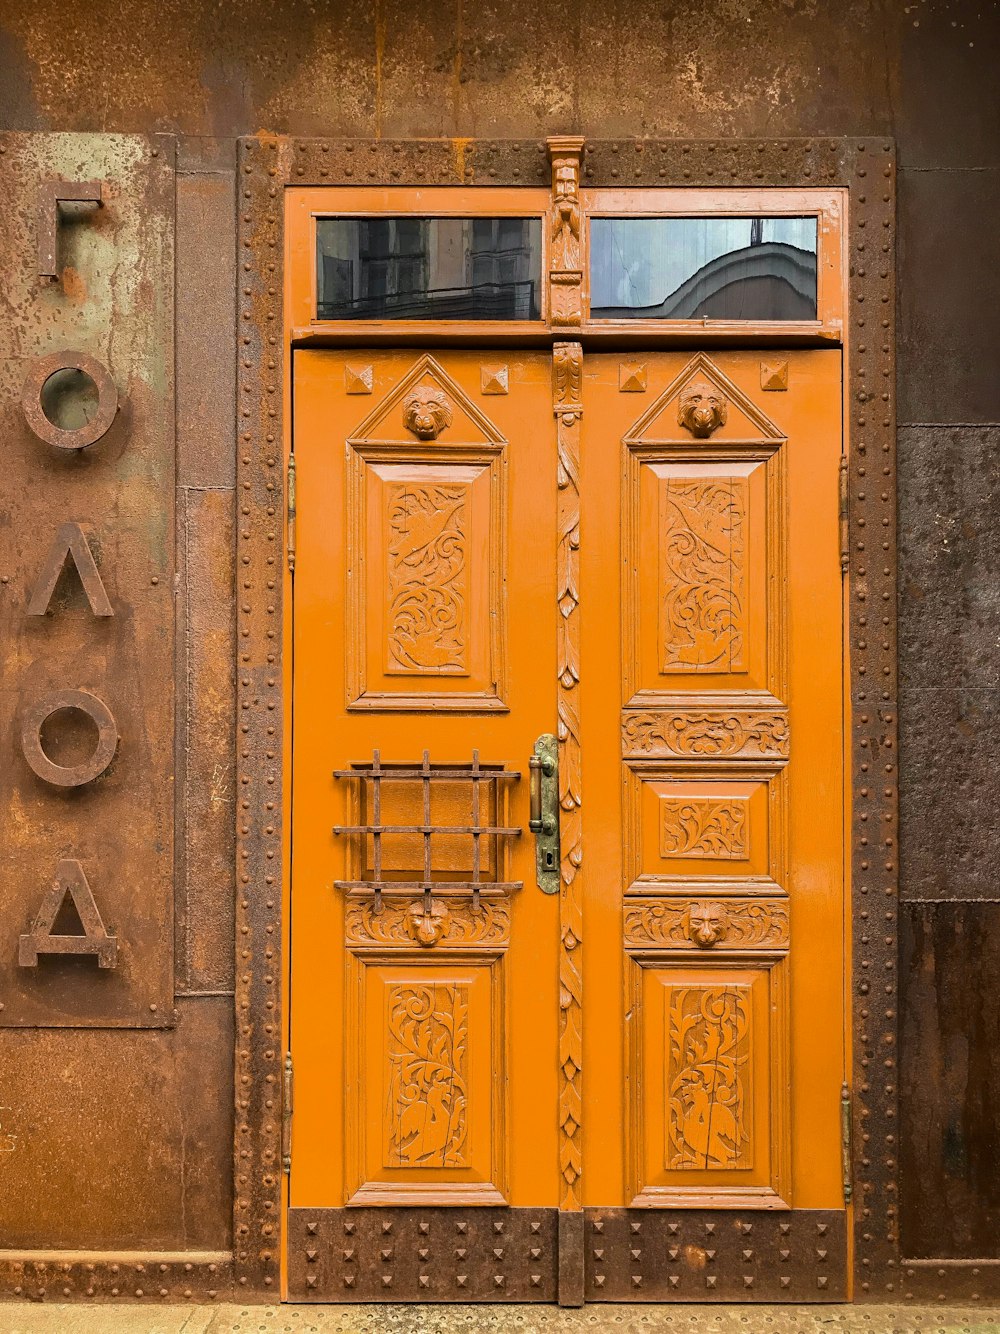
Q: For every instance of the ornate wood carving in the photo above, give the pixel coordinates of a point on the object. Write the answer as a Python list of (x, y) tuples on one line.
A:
[(702, 827), (426, 540), (565, 234), (427, 1051), (702, 409), (698, 733), (452, 925), (702, 923), (427, 412), (428, 1081), (567, 364), (703, 574), (709, 1059), (427, 573)]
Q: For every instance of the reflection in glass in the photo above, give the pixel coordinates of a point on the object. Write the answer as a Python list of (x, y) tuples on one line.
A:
[(703, 268), (410, 268)]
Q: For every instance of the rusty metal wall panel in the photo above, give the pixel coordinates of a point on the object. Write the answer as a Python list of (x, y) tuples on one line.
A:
[(715, 1255), (206, 388), (206, 771), (946, 108), (949, 666), (117, 1140), (422, 1255), (114, 301), (410, 70), (949, 555), (950, 1081), (949, 320)]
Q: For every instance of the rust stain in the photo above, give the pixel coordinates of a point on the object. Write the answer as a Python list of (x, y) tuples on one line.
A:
[(695, 1256), (460, 148), (380, 35), (74, 284)]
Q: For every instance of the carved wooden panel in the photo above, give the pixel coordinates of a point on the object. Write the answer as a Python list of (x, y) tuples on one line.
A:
[(704, 475), (700, 596), (703, 574), (709, 1077), (427, 1075), (705, 828), (426, 1094), (708, 1081), (426, 551), (402, 923), (427, 594), (700, 733), (707, 923), (720, 826)]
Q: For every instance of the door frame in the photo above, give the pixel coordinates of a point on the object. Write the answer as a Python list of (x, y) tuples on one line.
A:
[(865, 169)]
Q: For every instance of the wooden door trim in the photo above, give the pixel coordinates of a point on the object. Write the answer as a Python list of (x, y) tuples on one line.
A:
[(865, 168)]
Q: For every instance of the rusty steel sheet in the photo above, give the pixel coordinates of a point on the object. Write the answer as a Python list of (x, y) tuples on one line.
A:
[(86, 582), (867, 169), (426, 1254), (715, 1255), (115, 1141)]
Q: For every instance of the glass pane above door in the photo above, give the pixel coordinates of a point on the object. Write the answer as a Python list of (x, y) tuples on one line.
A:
[(413, 268), (708, 268)]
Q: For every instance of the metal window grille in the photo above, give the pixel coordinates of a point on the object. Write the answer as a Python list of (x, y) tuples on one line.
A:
[(376, 777)]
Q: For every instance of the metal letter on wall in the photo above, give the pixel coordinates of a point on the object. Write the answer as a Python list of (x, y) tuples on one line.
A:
[(86, 581)]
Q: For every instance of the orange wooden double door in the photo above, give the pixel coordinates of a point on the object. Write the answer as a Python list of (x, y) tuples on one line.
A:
[(567, 986)]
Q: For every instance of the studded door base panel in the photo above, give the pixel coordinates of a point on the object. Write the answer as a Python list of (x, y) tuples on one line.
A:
[(422, 1255), (511, 1255), (713, 1255)]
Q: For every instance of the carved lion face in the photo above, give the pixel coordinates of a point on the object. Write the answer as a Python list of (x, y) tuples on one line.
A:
[(427, 928), (702, 409), (706, 923), (426, 412)]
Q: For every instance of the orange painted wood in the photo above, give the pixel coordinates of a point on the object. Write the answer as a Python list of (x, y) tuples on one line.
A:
[(714, 1035), (713, 782), (424, 619)]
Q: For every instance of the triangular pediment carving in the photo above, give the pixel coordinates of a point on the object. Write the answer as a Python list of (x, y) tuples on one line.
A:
[(427, 406), (702, 405)]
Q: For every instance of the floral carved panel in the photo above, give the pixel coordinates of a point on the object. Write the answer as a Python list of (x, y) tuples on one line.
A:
[(703, 574), (427, 1051), (698, 827), (709, 1059), (399, 922), (700, 733), (427, 578), (427, 1090), (703, 924)]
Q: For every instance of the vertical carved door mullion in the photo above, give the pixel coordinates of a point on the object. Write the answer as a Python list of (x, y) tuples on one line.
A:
[(567, 367)]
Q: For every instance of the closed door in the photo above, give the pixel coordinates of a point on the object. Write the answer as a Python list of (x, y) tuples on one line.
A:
[(567, 989)]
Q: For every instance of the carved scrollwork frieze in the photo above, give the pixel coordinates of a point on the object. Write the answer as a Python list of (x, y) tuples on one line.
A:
[(403, 923), (704, 734), (704, 923)]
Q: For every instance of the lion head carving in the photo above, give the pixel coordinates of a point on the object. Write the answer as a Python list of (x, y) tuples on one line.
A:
[(707, 924), (427, 925), (426, 412), (703, 409)]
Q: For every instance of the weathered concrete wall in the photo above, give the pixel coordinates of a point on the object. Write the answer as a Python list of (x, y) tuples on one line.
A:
[(923, 72)]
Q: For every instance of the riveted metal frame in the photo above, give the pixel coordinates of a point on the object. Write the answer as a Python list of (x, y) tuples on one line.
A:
[(866, 168)]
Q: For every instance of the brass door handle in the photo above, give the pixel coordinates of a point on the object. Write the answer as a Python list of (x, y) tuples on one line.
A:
[(543, 814)]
